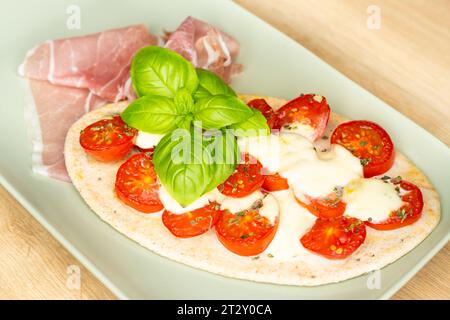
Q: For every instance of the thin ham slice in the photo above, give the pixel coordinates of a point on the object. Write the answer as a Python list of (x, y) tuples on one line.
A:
[(69, 77), (206, 47), (99, 62), (50, 112)]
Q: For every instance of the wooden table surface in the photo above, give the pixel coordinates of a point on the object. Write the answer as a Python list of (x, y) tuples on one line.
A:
[(405, 62)]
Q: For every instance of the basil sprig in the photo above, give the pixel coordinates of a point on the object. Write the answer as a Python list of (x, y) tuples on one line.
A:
[(173, 94)]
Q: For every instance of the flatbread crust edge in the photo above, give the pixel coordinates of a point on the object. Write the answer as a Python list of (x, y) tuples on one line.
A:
[(95, 182)]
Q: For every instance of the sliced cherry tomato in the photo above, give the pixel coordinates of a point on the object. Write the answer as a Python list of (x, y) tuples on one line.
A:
[(327, 207), (369, 142), (275, 182), (335, 238), (108, 139), (265, 109), (410, 211), (308, 109), (245, 233), (136, 184), (192, 223), (245, 180)]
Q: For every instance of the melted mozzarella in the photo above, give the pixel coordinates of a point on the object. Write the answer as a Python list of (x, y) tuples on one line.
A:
[(317, 177), (302, 129), (146, 140), (294, 222), (172, 205), (371, 198), (270, 208), (308, 172), (240, 204)]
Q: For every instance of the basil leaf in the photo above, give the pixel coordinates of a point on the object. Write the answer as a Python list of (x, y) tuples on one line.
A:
[(183, 101), (223, 149), (218, 111), (189, 164), (160, 71), (211, 84), (153, 114), (256, 125), (179, 163)]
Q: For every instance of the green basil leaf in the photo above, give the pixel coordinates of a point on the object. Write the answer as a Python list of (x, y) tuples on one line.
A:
[(223, 149), (256, 125), (189, 164), (218, 111), (183, 101), (211, 84), (153, 114), (159, 71)]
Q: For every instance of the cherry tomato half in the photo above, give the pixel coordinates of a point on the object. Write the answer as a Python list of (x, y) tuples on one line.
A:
[(308, 109), (136, 184), (369, 142), (275, 182), (108, 139), (245, 180), (410, 211), (265, 109), (335, 238), (192, 223), (245, 233), (325, 207)]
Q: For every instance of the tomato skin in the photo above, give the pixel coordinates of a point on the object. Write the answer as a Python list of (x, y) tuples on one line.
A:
[(136, 184), (245, 180), (335, 238), (233, 235), (193, 223), (108, 140), (413, 207), (265, 109), (369, 142), (324, 207), (275, 182), (306, 109)]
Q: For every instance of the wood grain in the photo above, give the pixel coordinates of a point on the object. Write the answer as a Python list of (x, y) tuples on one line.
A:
[(405, 63)]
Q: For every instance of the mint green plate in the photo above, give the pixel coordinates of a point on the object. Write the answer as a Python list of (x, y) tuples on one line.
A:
[(275, 65)]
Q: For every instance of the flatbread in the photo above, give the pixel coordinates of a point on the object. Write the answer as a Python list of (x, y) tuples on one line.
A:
[(95, 182)]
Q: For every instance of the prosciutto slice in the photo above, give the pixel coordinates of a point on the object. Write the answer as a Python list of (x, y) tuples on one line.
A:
[(206, 47), (69, 77)]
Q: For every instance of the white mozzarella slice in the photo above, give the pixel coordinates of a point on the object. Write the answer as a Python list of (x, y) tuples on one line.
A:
[(371, 199), (239, 204), (269, 208), (146, 140)]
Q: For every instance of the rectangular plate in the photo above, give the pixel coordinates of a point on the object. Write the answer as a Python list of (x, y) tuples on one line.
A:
[(275, 65)]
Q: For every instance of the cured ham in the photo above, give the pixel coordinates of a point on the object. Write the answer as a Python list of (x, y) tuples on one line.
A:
[(206, 47), (69, 77), (99, 62)]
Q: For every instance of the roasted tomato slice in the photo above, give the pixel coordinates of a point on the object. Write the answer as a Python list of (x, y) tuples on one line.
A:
[(410, 212), (265, 109), (275, 182), (108, 139), (245, 180), (192, 223), (309, 109), (335, 238), (246, 233), (369, 142), (325, 207), (136, 184)]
